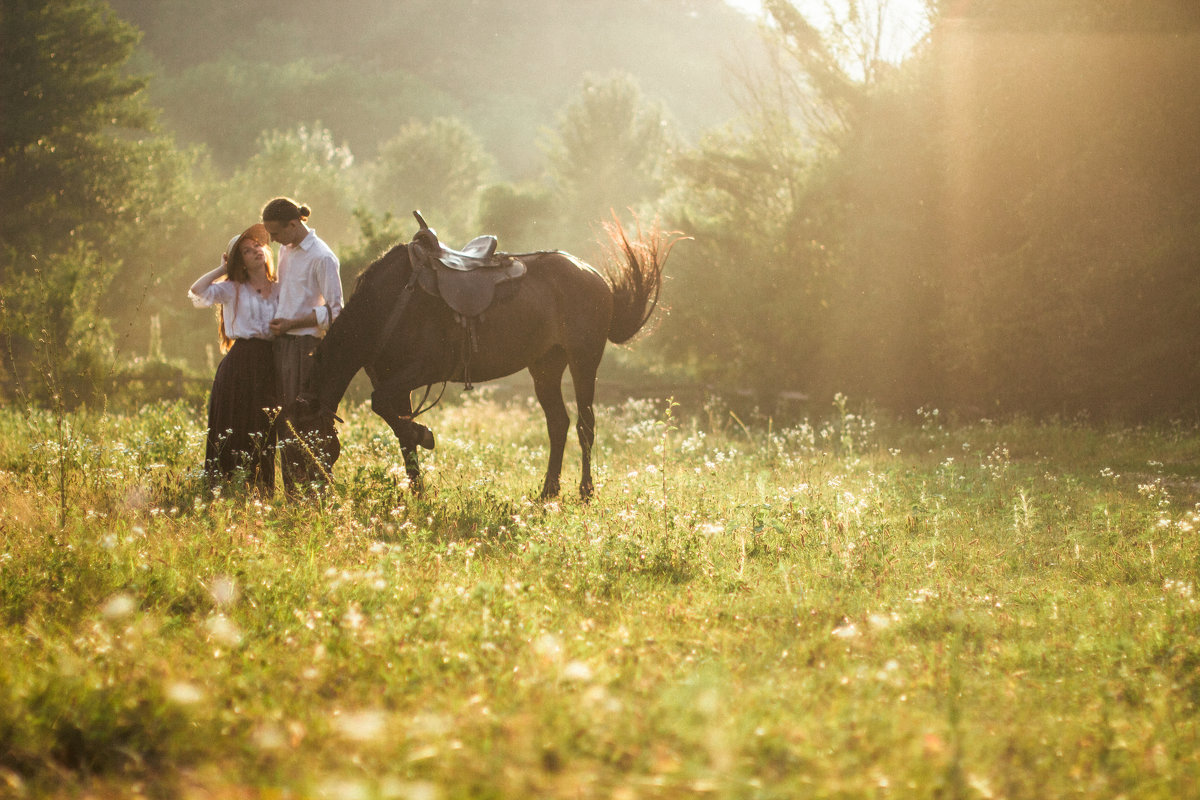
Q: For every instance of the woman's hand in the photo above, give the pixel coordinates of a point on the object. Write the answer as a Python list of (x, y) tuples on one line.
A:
[(281, 325), (206, 280)]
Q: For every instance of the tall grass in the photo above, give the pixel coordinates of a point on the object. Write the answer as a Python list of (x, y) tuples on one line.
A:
[(845, 607)]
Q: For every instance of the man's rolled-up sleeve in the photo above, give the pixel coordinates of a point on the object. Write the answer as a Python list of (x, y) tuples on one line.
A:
[(330, 282)]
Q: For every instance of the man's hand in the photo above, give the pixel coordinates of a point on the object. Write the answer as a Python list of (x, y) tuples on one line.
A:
[(281, 325)]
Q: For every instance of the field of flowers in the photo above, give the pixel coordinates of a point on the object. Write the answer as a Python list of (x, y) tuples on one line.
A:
[(850, 606)]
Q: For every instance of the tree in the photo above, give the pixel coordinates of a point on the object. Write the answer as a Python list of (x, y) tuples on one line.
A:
[(749, 299), (828, 63), (438, 167), (66, 154), (230, 97), (372, 66), (306, 164), (607, 153), (51, 316), (1007, 221), (766, 297), (70, 160), (377, 235), (521, 217), (1073, 206)]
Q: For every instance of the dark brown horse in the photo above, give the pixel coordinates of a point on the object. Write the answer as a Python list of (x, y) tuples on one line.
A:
[(558, 316)]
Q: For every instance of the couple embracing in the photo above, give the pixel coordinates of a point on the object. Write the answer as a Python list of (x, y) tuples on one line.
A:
[(269, 322)]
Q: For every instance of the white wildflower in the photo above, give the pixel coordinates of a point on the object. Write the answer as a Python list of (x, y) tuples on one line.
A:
[(223, 591), (577, 671), (183, 693), (360, 726)]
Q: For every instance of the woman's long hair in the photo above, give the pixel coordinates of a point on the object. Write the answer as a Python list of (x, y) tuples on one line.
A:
[(237, 272)]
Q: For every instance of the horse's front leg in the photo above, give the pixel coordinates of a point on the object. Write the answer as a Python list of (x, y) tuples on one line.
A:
[(396, 410)]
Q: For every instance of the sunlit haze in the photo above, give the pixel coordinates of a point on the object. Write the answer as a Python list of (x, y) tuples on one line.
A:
[(905, 21)]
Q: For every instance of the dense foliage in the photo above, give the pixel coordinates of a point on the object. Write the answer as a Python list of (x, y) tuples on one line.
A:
[(1009, 221), (365, 69), (1027, 211)]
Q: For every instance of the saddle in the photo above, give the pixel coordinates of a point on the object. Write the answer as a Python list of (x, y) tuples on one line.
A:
[(465, 279)]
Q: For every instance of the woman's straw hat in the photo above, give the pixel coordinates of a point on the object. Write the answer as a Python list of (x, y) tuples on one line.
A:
[(257, 232)]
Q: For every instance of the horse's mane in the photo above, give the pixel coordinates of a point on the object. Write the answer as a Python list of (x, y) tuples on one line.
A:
[(380, 266)]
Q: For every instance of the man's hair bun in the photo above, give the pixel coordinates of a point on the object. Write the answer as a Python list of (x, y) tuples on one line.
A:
[(284, 209)]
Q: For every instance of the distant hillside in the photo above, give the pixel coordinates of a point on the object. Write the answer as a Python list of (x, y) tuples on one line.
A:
[(225, 70)]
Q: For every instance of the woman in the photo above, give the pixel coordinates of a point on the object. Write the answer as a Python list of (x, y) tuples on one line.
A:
[(242, 406)]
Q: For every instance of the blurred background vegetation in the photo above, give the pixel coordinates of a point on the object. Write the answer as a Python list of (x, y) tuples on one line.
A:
[(1006, 220)]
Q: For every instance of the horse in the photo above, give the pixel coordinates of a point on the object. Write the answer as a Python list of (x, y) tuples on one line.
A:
[(558, 316)]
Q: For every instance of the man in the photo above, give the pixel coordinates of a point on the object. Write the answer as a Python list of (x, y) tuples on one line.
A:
[(310, 299)]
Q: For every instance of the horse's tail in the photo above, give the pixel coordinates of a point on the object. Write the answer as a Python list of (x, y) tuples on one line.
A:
[(635, 276)]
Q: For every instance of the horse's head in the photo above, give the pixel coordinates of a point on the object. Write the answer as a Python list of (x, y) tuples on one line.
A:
[(310, 438)]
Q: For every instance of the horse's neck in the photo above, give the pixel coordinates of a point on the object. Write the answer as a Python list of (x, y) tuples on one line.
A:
[(340, 360), (331, 380), (350, 343)]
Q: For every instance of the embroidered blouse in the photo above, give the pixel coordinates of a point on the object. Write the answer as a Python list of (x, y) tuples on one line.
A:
[(247, 314)]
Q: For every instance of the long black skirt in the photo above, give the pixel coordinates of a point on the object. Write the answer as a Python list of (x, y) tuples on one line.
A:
[(241, 410)]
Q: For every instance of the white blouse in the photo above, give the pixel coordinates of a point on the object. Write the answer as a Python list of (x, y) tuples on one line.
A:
[(247, 314)]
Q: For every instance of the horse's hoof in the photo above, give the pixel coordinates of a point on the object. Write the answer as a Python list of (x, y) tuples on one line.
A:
[(426, 437)]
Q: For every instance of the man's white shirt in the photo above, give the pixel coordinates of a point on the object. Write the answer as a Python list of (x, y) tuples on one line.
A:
[(309, 280)]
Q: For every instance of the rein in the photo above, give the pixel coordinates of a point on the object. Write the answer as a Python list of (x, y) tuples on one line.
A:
[(389, 327), (421, 407), (406, 295)]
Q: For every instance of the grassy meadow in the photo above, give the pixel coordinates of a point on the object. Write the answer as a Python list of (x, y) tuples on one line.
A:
[(846, 607)]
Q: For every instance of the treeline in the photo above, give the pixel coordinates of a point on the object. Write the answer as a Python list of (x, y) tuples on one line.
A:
[(1006, 222), (225, 71), (1010, 222)]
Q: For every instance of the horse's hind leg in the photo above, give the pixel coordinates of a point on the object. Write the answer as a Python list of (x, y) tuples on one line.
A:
[(547, 375), (583, 377)]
